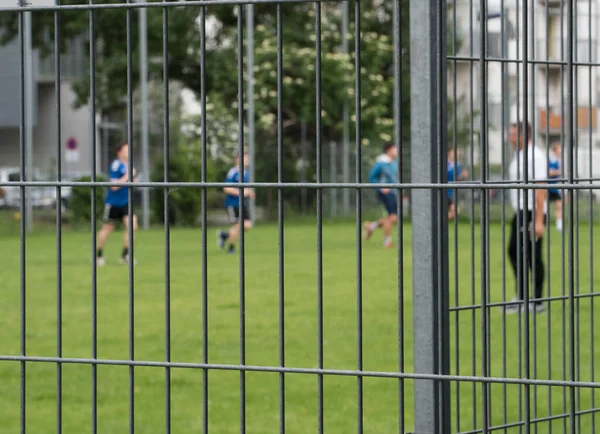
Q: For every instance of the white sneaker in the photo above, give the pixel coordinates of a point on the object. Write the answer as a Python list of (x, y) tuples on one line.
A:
[(559, 225), (100, 261), (367, 230), (125, 260), (514, 308), (536, 307), (220, 239)]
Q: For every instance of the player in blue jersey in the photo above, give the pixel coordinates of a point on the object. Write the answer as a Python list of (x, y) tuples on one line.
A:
[(116, 205), (235, 210), (554, 172), (455, 173), (385, 171)]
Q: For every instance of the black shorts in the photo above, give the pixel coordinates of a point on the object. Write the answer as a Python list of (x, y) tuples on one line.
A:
[(554, 196), (234, 214), (389, 201), (114, 214)]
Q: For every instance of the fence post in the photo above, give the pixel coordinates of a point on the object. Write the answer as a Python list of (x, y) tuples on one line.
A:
[(429, 216)]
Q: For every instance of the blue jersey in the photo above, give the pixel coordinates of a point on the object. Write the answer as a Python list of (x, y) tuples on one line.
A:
[(553, 164), (454, 171), (384, 171), (119, 197), (233, 176)]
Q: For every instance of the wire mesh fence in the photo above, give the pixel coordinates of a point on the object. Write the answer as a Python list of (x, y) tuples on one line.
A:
[(490, 110)]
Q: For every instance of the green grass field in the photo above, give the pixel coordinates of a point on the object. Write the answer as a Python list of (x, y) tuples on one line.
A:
[(380, 333)]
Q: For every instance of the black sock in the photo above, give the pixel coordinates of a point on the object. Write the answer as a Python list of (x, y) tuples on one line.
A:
[(125, 251), (99, 253)]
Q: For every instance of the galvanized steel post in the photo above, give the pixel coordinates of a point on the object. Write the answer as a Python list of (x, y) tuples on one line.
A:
[(429, 219)]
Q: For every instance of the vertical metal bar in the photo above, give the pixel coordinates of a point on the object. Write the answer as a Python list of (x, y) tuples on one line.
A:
[(504, 124), (24, 102), (519, 267), (92, 72), (442, 311), (576, 220), (525, 233), (430, 286), (59, 293), (204, 211), (593, 59), (104, 146), (359, 294), (240, 68), (548, 277), (483, 144), (576, 70), (280, 217), (563, 238), (129, 19), (251, 116), (455, 221), (166, 132), (304, 158), (345, 117), (398, 96), (533, 102), (333, 178), (472, 210), (143, 41), (28, 216), (570, 176), (319, 159)]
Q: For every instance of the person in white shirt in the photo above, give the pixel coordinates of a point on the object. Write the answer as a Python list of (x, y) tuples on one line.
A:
[(554, 172), (529, 216)]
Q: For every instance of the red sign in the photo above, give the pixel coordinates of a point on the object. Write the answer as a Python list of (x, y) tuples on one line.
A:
[(72, 144)]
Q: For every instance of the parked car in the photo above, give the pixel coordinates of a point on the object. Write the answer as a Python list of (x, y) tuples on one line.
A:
[(39, 196)]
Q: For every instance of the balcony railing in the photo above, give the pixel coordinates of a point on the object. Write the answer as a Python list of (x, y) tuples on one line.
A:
[(73, 63), (552, 121), (551, 3)]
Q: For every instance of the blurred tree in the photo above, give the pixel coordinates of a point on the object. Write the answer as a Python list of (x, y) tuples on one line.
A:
[(299, 86)]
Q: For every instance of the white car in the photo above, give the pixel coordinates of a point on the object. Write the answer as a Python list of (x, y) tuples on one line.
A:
[(39, 196)]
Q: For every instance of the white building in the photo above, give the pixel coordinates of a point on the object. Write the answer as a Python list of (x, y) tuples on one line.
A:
[(548, 95), (76, 124)]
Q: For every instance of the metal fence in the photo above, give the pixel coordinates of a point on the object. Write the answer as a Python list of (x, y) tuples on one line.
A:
[(475, 368)]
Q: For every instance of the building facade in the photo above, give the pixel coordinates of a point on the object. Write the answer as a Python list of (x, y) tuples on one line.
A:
[(74, 147), (547, 89)]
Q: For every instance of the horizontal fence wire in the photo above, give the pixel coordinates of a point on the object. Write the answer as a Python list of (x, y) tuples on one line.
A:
[(508, 185), (468, 59), (152, 5), (296, 370)]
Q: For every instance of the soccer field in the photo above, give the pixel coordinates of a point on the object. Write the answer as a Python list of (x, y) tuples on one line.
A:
[(549, 359)]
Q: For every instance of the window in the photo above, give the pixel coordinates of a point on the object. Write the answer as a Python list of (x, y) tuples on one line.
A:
[(494, 45), (583, 51), (494, 115)]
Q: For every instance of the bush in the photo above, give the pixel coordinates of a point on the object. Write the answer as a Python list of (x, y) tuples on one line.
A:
[(185, 203), (80, 204)]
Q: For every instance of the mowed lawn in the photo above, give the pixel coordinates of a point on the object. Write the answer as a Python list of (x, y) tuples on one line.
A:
[(549, 356)]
